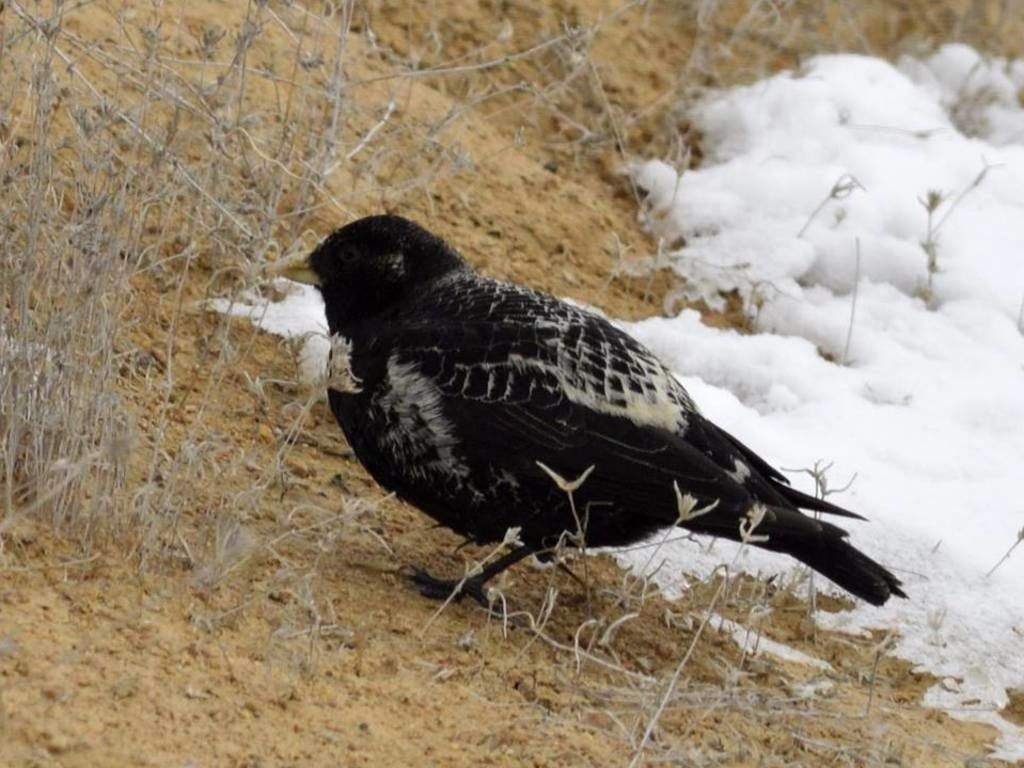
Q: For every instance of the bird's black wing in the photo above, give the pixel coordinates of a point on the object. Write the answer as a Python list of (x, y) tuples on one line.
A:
[(596, 365), (778, 482), (529, 380), (506, 401)]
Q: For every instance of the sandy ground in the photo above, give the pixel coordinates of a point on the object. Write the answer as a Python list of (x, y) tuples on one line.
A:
[(267, 623)]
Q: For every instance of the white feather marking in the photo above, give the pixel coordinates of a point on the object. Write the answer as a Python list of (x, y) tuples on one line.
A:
[(339, 367), (740, 472), (657, 406), (507, 478), (421, 437), (663, 402)]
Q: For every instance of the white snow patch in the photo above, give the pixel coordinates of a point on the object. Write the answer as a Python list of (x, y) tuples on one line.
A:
[(928, 411), (300, 314), (982, 94), (753, 643)]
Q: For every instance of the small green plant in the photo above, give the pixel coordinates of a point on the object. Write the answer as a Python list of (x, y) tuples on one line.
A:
[(931, 203), (843, 187)]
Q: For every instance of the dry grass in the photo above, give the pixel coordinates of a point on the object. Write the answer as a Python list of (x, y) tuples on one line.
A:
[(153, 155)]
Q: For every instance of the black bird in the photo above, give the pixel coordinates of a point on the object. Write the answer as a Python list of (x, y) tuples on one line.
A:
[(466, 397)]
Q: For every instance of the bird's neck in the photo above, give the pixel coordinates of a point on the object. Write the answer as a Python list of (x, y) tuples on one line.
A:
[(349, 306), (344, 312)]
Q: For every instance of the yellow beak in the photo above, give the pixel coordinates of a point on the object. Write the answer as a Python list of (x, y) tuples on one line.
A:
[(295, 268)]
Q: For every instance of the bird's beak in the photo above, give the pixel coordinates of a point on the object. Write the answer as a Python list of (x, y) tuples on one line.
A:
[(295, 268)]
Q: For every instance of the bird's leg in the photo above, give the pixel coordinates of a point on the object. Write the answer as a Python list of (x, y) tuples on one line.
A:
[(566, 569), (473, 586), (549, 556)]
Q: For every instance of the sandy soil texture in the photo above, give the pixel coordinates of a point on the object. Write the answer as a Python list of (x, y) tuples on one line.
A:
[(244, 603)]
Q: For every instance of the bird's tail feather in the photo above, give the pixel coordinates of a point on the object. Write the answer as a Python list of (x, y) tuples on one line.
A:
[(805, 501), (831, 555), (817, 543)]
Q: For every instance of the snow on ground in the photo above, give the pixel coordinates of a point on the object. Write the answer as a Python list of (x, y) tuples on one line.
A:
[(300, 314), (752, 643), (928, 410), (915, 387)]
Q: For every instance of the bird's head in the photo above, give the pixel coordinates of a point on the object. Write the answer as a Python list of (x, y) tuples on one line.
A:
[(371, 264)]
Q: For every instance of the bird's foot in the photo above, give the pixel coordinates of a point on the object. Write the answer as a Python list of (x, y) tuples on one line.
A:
[(445, 589)]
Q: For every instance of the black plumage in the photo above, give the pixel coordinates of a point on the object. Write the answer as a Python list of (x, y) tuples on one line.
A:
[(457, 389)]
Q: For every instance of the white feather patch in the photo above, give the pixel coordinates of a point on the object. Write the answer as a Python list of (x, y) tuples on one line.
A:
[(740, 471), (421, 435), (656, 406), (339, 372)]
